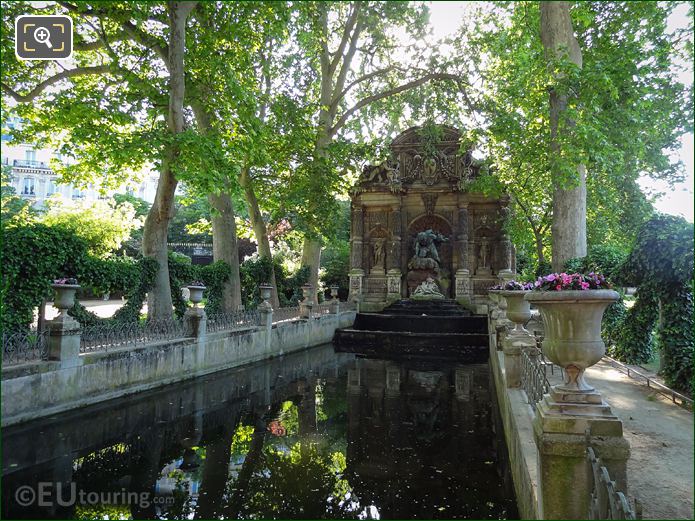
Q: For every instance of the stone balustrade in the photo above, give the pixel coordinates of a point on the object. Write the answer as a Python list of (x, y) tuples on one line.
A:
[(548, 444)]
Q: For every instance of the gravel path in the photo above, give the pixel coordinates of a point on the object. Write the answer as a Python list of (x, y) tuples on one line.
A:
[(660, 469)]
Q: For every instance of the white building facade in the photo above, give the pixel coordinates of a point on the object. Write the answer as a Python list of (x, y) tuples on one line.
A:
[(34, 180)]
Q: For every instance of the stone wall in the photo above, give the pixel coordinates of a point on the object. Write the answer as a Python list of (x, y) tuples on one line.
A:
[(36, 390), (517, 418)]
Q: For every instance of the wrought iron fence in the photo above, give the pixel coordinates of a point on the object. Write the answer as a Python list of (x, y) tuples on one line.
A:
[(230, 321), (285, 314), (102, 337), (607, 502), (24, 346), (533, 379)]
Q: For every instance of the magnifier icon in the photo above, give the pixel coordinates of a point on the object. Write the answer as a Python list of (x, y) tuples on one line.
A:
[(43, 35)]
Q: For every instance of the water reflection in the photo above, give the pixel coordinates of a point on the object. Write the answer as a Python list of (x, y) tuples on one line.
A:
[(313, 435)]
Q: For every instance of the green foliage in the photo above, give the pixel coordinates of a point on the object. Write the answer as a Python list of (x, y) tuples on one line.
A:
[(215, 276), (335, 260), (104, 226), (661, 266), (675, 337), (612, 123), (634, 342), (32, 257), (181, 272), (605, 259), (130, 312)]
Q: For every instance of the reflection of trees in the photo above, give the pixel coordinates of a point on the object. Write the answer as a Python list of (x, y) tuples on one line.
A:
[(305, 482)]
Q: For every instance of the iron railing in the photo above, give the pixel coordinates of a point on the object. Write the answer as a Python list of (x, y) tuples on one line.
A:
[(607, 502), (285, 314), (24, 346), (676, 397), (231, 321), (533, 379), (102, 337)]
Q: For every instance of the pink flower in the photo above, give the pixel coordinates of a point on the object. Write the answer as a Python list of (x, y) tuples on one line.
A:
[(550, 277), (558, 287), (585, 285)]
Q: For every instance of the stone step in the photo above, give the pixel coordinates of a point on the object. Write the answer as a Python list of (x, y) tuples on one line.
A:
[(464, 347), (421, 323)]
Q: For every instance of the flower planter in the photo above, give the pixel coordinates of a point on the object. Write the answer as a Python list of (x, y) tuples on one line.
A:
[(64, 296), (518, 310), (196, 294), (572, 322)]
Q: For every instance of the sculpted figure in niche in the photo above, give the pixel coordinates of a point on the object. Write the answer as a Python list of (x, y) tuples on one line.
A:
[(378, 253), (426, 255), (484, 258)]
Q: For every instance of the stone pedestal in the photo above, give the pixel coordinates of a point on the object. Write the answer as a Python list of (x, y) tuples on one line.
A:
[(64, 340), (356, 278), (513, 344), (195, 322), (564, 426), (393, 285), (463, 286)]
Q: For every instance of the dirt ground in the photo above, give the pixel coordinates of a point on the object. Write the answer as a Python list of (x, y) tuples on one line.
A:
[(661, 466)]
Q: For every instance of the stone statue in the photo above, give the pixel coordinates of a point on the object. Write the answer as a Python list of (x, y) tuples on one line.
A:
[(484, 253), (378, 253), (428, 288), (426, 255)]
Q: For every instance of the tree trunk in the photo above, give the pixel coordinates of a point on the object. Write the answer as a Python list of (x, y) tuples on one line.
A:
[(311, 257), (224, 239), (569, 201), (154, 243), (260, 230), (225, 248), (154, 240)]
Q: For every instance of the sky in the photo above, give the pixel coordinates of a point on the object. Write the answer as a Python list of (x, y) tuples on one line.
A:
[(445, 19)]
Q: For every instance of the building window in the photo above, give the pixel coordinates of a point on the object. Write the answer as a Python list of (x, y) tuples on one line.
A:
[(50, 188), (30, 155), (77, 194), (29, 186)]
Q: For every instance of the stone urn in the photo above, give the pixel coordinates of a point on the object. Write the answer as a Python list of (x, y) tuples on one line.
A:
[(572, 323), (518, 310), (334, 291), (265, 289), (64, 297), (196, 294)]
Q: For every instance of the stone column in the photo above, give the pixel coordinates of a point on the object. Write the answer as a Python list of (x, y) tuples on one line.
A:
[(265, 309), (393, 262), (64, 331), (564, 425), (463, 275), (195, 322), (513, 343), (334, 303)]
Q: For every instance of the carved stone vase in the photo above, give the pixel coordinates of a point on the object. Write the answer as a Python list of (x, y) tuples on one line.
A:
[(64, 297), (518, 310), (196, 294), (572, 322)]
